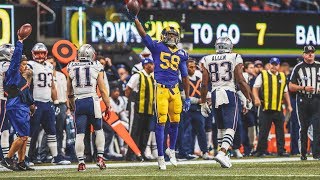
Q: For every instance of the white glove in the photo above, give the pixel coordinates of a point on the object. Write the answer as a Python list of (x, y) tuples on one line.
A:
[(205, 109), (249, 104)]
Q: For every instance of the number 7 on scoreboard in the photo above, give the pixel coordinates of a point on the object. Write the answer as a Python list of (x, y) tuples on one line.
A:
[(261, 27)]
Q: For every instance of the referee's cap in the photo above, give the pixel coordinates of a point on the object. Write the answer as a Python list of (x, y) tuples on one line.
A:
[(147, 61), (274, 60), (308, 48)]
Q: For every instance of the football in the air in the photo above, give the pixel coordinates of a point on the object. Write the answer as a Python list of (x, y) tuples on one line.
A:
[(133, 6), (25, 30)]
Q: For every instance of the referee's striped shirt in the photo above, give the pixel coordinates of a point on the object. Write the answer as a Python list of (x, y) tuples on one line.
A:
[(304, 74)]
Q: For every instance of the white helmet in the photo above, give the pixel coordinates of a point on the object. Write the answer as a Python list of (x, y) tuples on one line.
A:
[(6, 51), (86, 53), (223, 45), (39, 48)]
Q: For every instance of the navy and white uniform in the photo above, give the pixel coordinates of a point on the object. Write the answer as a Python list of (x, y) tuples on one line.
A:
[(84, 76), (42, 83), (4, 65), (224, 98)]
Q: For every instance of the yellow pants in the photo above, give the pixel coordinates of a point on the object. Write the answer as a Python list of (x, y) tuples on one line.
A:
[(168, 102)]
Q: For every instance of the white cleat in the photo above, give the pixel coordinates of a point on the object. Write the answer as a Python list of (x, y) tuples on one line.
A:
[(172, 155), (238, 153), (161, 163), (206, 156), (223, 160)]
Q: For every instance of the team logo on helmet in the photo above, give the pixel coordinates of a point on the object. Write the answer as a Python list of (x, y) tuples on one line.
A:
[(86, 53), (170, 36), (223, 45), (39, 52), (6, 51)]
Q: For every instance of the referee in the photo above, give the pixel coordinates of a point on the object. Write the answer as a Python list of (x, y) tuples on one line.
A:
[(305, 80)]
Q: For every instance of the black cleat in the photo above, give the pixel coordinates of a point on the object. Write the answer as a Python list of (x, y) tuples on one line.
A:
[(22, 166), (8, 163), (140, 158), (303, 157)]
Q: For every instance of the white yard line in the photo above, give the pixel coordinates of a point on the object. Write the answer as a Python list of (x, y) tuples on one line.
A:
[(143, 164)]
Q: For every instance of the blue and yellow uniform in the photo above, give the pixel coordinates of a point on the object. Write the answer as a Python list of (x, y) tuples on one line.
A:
[(167, 63)]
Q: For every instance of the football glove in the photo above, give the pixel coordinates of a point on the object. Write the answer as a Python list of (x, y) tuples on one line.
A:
[(56, 109), (249, 104), (130, 15), (205, 109), (187, 104), (107, 113)]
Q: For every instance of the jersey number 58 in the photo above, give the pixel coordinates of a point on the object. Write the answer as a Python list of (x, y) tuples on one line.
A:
[(169, 61)]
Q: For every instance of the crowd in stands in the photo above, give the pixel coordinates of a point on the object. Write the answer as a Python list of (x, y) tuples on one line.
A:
[(218, 5)]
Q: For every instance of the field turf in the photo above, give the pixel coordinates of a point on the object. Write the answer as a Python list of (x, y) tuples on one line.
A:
[(247, 169)]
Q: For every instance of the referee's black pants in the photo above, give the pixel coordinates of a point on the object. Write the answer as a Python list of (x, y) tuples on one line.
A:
[(308, 111), (265, 121), (139, 132)]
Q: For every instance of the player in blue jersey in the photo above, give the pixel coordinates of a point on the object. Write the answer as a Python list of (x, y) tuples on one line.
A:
[(168, 61), (20, 100)]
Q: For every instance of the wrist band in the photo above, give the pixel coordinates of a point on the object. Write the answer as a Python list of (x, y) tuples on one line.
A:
[(55, 102)]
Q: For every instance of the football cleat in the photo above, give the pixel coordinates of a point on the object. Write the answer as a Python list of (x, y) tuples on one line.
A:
[(82, 167), (207, 156), (161, 163), (100, 163), (8, 163), (223, 160), (172, 155), (58, 160), (23, 166), (238, 154)]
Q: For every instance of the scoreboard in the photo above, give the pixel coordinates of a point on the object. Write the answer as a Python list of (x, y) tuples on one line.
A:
[(252, 30)]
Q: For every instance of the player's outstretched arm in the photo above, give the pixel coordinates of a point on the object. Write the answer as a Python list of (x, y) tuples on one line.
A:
[(54, 94), (140, 28), (244, 87), (103, 89), (70, 94), (204, 85)]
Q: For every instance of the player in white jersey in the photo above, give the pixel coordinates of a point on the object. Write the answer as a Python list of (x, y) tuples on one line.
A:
[(45, 96), (84, 76), (6, 52), (225, 71)]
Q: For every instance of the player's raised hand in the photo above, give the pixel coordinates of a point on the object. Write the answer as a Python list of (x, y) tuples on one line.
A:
[(133, 9), (187, 104)]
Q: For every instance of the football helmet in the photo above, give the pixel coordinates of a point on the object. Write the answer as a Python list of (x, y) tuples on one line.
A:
[(39, 52), (6, 51), (167, 38), (86, 53), (223, 45)]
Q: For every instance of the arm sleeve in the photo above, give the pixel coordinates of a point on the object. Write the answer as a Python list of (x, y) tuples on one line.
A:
[(151, 45), (258, 82), (13, 74)]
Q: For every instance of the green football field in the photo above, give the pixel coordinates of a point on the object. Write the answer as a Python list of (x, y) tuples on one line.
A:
[(247, 169)]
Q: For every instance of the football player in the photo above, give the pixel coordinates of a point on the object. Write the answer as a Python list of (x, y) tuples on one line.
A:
[(169, 60), (45, 96), (84, 77), (225, 70), (6, 52)]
